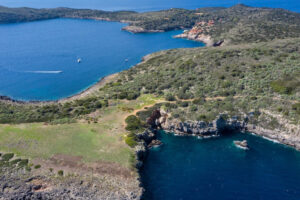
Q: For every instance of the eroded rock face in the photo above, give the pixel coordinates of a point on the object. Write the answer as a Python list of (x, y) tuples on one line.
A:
[(201, 128), (138, 29), (287, 133)]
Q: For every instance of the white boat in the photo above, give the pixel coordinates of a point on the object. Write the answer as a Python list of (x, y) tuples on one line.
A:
[(126, 60), (79, 60)]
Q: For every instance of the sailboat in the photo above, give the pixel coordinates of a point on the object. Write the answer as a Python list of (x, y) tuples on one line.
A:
[(79, 60)]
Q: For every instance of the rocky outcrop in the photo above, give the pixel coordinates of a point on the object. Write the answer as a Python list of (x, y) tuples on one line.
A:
[(280, 136), (155, 143), (288, 133), (138, 29), (201, 128), (147, 139), (197, 37)]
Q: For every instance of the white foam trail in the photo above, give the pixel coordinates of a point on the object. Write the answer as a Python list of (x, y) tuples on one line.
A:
[(272, 140), (44, 72)]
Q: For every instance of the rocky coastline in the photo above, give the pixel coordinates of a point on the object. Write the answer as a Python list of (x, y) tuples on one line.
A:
[(197, 37), (159, 120), (223, 124), (137, 29)]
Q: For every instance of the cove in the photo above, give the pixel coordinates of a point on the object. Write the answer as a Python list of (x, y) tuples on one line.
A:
[(189, 168), (38, 60)]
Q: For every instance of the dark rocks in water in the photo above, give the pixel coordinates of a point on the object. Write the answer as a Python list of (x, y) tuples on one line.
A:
[(155, 143), (147, 136), (241, 144)]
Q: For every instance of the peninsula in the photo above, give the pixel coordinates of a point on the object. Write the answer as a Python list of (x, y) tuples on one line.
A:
[(92, 145)]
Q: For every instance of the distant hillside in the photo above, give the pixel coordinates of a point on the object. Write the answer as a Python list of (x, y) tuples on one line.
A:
[(234, 25), (247, 77)]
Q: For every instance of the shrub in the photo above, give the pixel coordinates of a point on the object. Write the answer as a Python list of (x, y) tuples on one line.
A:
[(60, 172), (281, 88), (132, 161), (7, 156), (131, 140), (202, 117), (296, 107), (132, 96), (15, 161), (37, 166), (199, 101), (182, 103), (23, 163), (287, 85), (170, 97), (134, 124), (193, 108)]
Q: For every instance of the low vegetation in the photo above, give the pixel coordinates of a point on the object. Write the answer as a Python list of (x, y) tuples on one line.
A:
[(190, 84), (247, 78), (238, 24)]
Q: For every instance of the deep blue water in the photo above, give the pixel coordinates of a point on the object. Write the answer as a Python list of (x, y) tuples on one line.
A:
[(193, 169), (29, 50), (146, 5)]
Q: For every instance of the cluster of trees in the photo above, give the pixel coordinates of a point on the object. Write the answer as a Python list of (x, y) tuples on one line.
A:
[(19, 112)]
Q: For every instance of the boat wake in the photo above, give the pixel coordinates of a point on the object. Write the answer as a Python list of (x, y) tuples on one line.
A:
[(32, 71), (44, 72)]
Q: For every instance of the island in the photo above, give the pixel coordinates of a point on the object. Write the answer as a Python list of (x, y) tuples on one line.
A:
[(241, 144), (93, 144)]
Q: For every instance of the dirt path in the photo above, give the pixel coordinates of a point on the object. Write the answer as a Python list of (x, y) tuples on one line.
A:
[(134, 112)]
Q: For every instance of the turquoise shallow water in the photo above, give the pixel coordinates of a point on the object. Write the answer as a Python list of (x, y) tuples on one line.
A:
[(38, 60), (189, 168)]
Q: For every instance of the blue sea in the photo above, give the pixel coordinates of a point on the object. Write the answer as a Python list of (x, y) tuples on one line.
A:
[(187, 168), (38, 60)]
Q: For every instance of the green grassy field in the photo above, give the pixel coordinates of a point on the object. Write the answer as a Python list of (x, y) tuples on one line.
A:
[(93, 142)]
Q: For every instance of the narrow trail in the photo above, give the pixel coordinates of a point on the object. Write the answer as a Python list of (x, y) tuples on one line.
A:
[(134, 112)]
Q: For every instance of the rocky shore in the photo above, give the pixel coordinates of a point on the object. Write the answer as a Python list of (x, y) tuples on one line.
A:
[(287, 134), (196, 37), (137, 29), (221, 124)]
